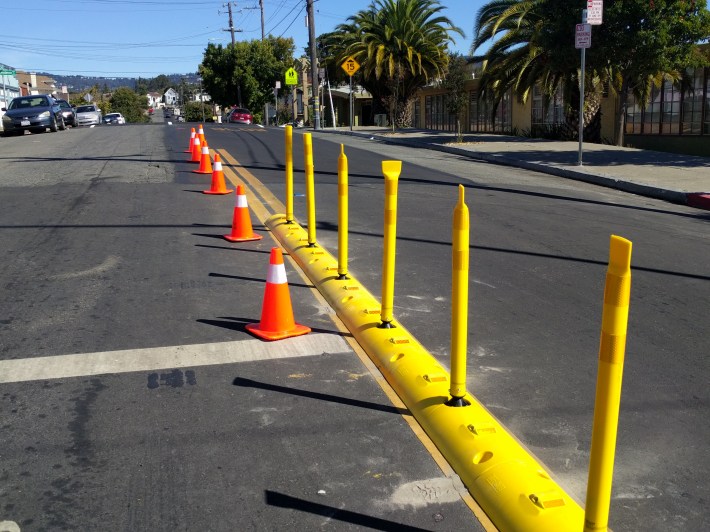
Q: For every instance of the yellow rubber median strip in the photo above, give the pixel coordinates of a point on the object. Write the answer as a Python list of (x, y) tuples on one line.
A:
[(514, 490), (237, 174)]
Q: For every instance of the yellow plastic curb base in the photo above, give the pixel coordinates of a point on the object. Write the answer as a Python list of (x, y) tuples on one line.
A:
[(510, 485)]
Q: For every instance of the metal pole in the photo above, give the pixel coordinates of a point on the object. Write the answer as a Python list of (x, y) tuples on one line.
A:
[(276, 106), (350, 110), (314, 64), (202, 102), (581, 96), (581, 109)]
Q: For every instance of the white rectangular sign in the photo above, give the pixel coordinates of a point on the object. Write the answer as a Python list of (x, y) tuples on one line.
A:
[(583, 36), (594, 11)]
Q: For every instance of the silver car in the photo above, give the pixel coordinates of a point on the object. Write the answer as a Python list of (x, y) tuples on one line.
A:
[(88, 115)]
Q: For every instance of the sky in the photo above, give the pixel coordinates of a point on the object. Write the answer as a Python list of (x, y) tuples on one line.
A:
[(132, 38)]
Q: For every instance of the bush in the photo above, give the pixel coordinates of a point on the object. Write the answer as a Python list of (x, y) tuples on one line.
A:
[(194, 112)]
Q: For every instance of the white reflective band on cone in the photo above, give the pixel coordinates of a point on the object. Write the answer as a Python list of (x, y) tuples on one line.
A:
[(241, 202), (217, 166), (276, 274)]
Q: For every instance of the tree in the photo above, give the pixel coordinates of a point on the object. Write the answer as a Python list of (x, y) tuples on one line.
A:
[(639, 41), (455, 85), (401, 45), (245, 73), (525, 52), (131, 105), (194, 111)]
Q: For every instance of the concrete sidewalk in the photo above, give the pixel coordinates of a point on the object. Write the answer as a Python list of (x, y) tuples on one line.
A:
[(678, 178)]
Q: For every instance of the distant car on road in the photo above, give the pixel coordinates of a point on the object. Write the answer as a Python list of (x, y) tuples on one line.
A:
[(35, 113), (88, 115), (239, 115), (114, 118), (68, 113)]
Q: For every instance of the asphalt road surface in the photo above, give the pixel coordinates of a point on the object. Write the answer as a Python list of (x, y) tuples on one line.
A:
[(109, 247), (131, 395)]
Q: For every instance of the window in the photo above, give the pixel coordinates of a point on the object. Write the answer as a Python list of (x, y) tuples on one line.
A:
[(437, 116), (673, 109), (482, 119), (547, 111), (693, 103)]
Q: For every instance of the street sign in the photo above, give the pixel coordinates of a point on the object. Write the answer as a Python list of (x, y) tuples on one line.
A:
[(7, 72), (594, 12), (583, 36), (350, 66), (291, 77)]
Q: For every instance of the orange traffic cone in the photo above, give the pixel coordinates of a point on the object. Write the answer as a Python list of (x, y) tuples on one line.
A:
[(196, 150), (277, 320), (241, 221), (201, 134), (192, 137), (218, 186), (205, 161)]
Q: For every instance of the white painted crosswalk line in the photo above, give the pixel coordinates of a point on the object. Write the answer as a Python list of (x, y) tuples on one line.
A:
[(179, 356)]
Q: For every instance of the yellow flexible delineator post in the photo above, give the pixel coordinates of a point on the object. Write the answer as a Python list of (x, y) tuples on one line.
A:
[(342, 214), (288, 131), (391, 171), (310, 188), (505, 479), (612, 348), (459, 301)]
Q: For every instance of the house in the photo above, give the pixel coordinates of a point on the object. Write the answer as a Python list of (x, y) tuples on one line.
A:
[(171, 97), (201, 97), (155, 99), (32, 83)]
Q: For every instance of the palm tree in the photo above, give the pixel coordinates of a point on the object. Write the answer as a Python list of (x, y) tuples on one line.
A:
[(401, 45), (531, 46), (639, 44)]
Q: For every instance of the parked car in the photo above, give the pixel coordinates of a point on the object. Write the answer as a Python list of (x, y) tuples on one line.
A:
[(114, 118), (239, 115), (68, 113), (35, 113), (88, 115)]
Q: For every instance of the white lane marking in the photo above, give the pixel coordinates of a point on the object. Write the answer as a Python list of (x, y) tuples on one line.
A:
[(9, 526), (178, 356)]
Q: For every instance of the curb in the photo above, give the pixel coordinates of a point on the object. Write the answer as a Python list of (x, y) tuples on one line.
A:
[(697, 200)]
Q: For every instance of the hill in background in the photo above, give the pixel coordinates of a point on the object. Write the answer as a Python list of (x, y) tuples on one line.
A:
[(82, 83)]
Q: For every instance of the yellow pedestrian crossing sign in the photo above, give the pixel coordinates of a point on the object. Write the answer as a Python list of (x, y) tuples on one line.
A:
[(350, 66), (291, 77)]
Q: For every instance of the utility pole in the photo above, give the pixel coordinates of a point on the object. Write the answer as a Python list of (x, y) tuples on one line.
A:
[(228, 5), (261, 7), (231, 29), (314, 64)]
